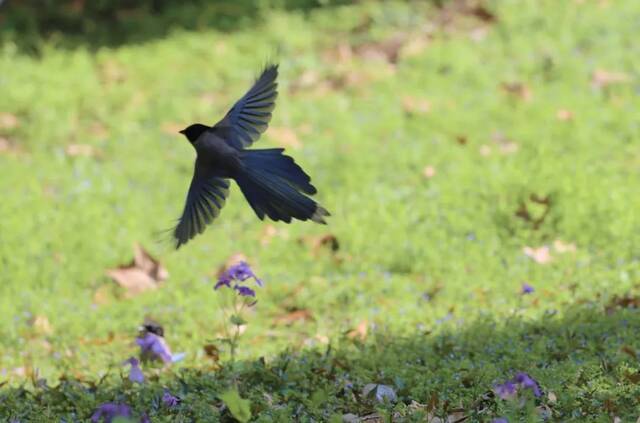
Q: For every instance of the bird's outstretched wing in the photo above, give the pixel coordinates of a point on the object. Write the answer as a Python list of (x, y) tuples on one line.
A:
[(250, 116), (206, 197)]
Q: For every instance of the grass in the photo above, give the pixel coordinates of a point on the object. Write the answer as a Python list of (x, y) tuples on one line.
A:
[(422, 294)]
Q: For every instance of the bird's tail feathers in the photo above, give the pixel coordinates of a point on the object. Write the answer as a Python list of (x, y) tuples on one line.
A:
[(274, 184)]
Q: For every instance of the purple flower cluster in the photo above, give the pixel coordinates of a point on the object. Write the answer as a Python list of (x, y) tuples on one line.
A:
[(527, 289), (135, 372), (154, 347), (109, 411), (520, 381), (170, 400), (232, 278)]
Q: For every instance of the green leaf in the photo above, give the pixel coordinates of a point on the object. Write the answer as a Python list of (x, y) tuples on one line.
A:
[(239, 408), (237, 320)]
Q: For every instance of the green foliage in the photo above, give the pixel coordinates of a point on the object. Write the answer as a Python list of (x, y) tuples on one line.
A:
[(239, 408), (422, 293)]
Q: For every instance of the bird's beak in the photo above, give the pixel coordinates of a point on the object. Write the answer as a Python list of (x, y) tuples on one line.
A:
[(182, 132)]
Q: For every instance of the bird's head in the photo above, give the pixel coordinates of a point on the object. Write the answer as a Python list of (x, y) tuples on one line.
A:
[(192, 132)]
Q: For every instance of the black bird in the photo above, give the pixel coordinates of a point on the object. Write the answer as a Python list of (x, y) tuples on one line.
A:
[(273, 184)]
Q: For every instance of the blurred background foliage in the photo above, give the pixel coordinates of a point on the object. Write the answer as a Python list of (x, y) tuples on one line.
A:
[(114, 22)]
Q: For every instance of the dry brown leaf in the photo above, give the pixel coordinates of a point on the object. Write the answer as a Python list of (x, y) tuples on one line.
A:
[(415, 46), (111, 336), (5, 145), (629, 351), (8, 121), (41, 325), (142, 274), (212, 352), (385, 50), (415, 105), (505, 144), (320, 243), (564, 115), (429, 172), (112, 72), (562, 247), (80, 150), (541, 255), (485, 150), (360, 332), (517, 90), (627, 301), (102, 295), (270, 231), (601, 78), (98, 130), (284, 137), (299, 315)]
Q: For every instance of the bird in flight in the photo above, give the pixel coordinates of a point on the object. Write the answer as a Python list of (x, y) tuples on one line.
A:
[(273, 184)]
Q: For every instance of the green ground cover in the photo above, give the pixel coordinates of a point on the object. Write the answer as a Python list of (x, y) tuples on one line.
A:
[(462, 153)]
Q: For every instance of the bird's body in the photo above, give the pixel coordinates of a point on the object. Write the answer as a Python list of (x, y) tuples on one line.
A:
[(273, 184)]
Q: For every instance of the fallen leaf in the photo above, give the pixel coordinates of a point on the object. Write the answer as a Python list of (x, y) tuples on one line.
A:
[(415, 45), (360, 332), (98, 130), (552, 397), (284, 136), (320, 243), (633, 377), (429, 172), (112, 72), (629, 351), (562, 247), (80, 150), (626, 301), (601, 78), (540, 255), (6, 145), (485, 150), (386, 50), (517, 90), (212, 352), (41, 325), (142, 274), (8, 121), (102, 295), (564, 115), (415, 105), (299, 315), (462, 139)]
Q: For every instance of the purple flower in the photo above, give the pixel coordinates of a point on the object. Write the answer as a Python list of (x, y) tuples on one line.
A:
[(224, 280), (245, 291), (506, 390), (153, 346), (521, 380), (109, 411), (527, 289), (170, 400), (242, 272), (238, 272), (135, 373), (500, 420), (527, 382)]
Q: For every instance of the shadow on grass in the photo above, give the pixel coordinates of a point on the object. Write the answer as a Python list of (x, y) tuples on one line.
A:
[(73, 23), (585, 362)]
